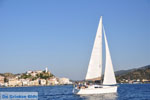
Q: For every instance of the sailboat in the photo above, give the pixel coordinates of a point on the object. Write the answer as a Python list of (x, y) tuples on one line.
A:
[(94, 71)]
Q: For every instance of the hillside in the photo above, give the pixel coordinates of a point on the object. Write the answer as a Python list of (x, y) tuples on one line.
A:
[(122, 72), (133, 74)]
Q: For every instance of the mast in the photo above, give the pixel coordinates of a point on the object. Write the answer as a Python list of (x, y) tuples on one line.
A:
[(95, 65), (109, 76)]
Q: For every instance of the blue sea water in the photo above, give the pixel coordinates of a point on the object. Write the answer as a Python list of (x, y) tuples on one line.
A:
[(125, 92)]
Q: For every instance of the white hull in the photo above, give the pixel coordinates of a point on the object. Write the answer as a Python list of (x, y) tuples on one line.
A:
[(102, 90)]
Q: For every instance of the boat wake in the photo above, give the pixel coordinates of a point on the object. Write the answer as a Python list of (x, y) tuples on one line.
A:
[(110, 96)]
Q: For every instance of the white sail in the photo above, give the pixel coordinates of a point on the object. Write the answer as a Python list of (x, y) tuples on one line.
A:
[(109, 76), (95, 64)]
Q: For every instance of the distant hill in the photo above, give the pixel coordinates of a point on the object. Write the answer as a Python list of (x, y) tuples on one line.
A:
[(122, 72), (7, 74), (133, 74)]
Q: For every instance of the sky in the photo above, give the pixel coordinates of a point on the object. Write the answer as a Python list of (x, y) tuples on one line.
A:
[(59, 34)]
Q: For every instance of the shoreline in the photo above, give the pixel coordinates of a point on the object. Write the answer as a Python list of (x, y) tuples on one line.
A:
[(33, 86)]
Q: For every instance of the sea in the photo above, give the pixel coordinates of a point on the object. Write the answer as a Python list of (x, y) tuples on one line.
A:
[(64, 92)]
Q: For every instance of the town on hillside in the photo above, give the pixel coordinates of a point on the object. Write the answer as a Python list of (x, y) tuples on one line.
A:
[(32, 78)]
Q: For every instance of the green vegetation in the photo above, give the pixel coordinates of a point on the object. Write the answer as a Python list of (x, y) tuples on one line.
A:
[(42, 75), (25, 76), (5, 79)]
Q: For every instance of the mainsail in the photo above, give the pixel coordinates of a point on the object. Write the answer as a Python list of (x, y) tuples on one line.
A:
[(95, 64), (109, 76)]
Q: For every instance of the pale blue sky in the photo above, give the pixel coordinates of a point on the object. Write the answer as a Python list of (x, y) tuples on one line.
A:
[(59, 34)]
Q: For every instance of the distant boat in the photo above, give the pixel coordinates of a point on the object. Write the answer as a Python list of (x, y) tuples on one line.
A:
[(94, 71)]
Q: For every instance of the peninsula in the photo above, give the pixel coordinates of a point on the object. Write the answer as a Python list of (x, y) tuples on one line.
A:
[(32, 78)]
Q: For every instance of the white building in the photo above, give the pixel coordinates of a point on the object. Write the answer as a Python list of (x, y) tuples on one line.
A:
[(29, 72), (64, 81), (53, 81), (46, 69), (34, 82), (12, 81), (25, 82), (1, 80)]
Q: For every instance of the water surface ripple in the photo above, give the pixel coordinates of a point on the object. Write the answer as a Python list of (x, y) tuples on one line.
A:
[(125, 92)]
